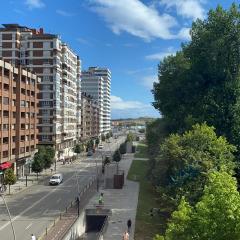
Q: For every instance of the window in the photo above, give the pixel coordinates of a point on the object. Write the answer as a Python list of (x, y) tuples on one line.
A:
[(26, 115), (22, 126), (27, 149), (22, 103), (5, 140), (5, 127), (27, 104), (22, 138), (13, 151), (6, 114), (5, 100), (23, 91), (32, 126), (13, 102), (22, 150), (28, 92), (13, 126), (14, 139), (5, 87), (14, 115), (32, 104), (5, 154), (22, 114), (14, 90)]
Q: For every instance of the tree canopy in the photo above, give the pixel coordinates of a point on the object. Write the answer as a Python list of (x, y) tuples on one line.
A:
[(216, 216)]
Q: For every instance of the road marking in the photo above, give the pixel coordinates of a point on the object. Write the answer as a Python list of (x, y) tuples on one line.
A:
[(37, 202), (28, 226)]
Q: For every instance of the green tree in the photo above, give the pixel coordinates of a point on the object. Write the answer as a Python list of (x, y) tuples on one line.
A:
[(107, 135), (216, 216), (130, 137), (9, 178), (117, 158), (103, 137), (123, 148), (184, 160), (201, 83), (37, 164), (97, 141)]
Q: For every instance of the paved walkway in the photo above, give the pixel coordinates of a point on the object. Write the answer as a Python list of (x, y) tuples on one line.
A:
[(123, 203)]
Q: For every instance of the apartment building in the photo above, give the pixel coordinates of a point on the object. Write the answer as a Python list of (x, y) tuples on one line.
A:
[(58, 67), (96, 82), (89, 117), (18, 117)]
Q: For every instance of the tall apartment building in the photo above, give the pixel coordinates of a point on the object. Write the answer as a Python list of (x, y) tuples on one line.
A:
[(58, 67), (97, 82), (89, 118), (18, 117)]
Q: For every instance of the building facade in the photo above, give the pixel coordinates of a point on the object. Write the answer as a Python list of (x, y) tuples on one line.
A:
[(58, 67), (96, 82), (89, 118), (18, 117)]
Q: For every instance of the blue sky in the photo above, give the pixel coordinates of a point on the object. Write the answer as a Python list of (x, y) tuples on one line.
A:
[(128, 36)]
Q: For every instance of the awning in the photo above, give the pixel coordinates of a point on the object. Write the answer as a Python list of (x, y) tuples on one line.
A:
[(5, 165)]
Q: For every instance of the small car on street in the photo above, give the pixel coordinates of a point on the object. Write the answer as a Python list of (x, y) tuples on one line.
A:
[(56, 179)]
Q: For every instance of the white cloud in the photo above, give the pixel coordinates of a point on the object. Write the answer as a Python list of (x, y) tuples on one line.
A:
[(159, 56), (131, 109), (34, 4), (184, 33), (83, 41), (136, 18), (64, 13), (148, 81), (140, 70), (192, 9)]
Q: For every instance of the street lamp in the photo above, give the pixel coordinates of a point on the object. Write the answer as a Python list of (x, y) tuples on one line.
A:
[(9, 215)]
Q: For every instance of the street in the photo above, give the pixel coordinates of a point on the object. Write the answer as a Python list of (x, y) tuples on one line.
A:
[(35, 208)]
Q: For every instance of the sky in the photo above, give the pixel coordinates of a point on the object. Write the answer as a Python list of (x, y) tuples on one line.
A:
[(130, 37)]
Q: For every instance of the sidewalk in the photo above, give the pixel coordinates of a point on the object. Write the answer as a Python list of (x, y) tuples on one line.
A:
[(122, 202)]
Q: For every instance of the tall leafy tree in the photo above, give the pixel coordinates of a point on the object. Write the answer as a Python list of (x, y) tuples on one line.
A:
[(216, 216), (37, 164), (9, 178)]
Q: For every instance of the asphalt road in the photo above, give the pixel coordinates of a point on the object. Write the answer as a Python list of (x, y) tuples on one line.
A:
[(35, 208)]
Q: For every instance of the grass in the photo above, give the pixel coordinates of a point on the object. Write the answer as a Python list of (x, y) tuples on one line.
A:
[(141, 151), (146, 226)]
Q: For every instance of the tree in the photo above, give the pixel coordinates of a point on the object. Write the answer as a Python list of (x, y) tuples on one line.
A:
[(184, 161), (9, 178), (117, 157), (123, 148), (37, 164), (130, 137), (107, 136), (97, 141), (103, 137), (216, 216), (201, 83)]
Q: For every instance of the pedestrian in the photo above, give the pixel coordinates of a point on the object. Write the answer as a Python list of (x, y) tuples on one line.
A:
[(100, 199), (33, 237), (125, 236), (129, 224)]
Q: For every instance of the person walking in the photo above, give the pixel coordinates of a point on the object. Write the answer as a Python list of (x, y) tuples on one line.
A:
[(33, 237), (129, 225), (100, 199), (125, 236)]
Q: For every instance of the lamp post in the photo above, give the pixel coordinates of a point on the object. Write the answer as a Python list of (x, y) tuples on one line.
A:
[(9, 215)]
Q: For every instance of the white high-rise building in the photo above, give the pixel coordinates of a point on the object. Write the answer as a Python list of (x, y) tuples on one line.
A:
[(96, 82)]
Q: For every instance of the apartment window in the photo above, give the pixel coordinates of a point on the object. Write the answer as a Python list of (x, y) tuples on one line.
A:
[(14, 151), (23, 91), (26, 115), (27, 104), (23, 103), (22, 138), (22, 150), (22, 126), (27, 81), (5, 100), (32, 93), (32, 126), (5, 140), (15, 77), (5, 127), (32, 136), (13, 126), (28, 92), (23, 79), (23, 115), (27, 149), (27, 138), (5, 114), (32, 104), (13, 102), (32, 148), (46, 45), (5, 154), (14, 90), (6, 87), (14, 115), (27, 126), (32, 81)]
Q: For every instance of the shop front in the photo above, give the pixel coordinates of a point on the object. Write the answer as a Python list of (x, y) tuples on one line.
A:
[(3, 167), (20, 167)]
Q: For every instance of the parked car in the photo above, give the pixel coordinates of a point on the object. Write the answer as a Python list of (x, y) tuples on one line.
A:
[(56, 179), (100, 146), (90, 153)]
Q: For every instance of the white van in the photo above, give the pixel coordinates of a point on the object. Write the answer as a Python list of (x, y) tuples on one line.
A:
[(56, 179)]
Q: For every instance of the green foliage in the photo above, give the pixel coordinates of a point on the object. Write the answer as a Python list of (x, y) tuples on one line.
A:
[(44, 157), (90, 144), (37, 164), (123, 148), (97, 141), (201, 83), (9, 177), (117, 156), (110, 133), (78, 148), (103, 137), (130, 137), (107, 135), (184, 160), (216, 216)]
